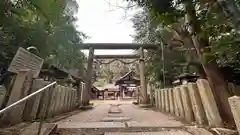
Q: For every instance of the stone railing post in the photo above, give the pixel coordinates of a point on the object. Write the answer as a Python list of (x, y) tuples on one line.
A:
[(197, 106), (79, 91), (156, 98), (159, 99), (69, 99), (162, 100), (31, 108), (188, 111), (176, 108), (179, 102), (166, 100), (235, 107), (171, 101), (209, 103), (43, 102), (20, 89), (56, 100)]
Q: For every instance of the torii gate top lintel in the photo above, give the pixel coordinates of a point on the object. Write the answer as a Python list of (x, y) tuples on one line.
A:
[(117, 46)]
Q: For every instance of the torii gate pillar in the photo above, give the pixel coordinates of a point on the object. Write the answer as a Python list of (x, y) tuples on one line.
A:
[(88, 86), (143, 89)]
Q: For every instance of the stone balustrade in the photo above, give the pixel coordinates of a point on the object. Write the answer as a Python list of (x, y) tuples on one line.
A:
[(192, 102), (54, 101)]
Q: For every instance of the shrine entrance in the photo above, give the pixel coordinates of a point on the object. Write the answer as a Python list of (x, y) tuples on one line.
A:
[(140, 57), (128, 85)]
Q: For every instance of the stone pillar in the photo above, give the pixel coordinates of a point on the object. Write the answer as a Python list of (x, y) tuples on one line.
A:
[(74, 99), (171, 101), (156, 98), (188, 111), (176, 110), (57, 100), (179, 102), (30, 110), (65, 103), (209, 103), (20, 89), (197, 106), (235, 107), (79, 91), (83, 88), (150, 87), (53, 101), (159, 99), (61, 101), (69, 99), (142, 77), (86, 93), (166, 100), (50, 101), (43, 102), (162, 100)]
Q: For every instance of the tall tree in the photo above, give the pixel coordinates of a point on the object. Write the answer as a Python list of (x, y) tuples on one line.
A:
[(199, 20), (46, 24)]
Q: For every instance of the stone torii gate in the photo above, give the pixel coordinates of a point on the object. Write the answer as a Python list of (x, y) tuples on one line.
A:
[(91, 56)]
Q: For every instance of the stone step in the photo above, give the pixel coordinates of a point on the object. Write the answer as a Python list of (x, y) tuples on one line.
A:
[(115, 119), (101, 127), (47, 129), (173, 132), (169, 132), (147, 124), (114, 109), (163, 131), (128, 128)]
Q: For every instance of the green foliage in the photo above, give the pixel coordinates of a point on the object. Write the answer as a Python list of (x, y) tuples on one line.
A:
[(163, 65), (170, 19), (45, 24)]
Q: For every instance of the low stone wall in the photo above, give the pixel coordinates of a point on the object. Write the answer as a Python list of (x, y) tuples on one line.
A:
[(193, 102), (235, 107), (54, 101)]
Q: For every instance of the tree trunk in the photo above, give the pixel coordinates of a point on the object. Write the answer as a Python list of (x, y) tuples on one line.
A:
[(188, 42), (218, 84), (202, 74)]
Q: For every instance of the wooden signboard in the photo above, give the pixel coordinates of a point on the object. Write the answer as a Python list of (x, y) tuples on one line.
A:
[(24, 59)]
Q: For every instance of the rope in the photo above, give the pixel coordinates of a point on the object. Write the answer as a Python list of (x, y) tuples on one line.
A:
[(106, 62), (128, 62), (117, 60)]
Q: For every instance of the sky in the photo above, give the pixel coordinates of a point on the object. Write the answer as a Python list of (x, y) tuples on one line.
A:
[(103, 22)]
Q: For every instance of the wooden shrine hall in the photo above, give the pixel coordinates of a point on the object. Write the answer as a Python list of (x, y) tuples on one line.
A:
[(128, 84)]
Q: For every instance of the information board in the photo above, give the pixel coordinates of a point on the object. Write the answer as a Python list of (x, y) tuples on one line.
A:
[(24, 59)]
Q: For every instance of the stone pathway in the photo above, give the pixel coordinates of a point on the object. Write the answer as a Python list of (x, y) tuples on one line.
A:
[(121, 118)]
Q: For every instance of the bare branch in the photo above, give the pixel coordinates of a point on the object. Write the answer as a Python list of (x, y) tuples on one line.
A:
[(125, 8)]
